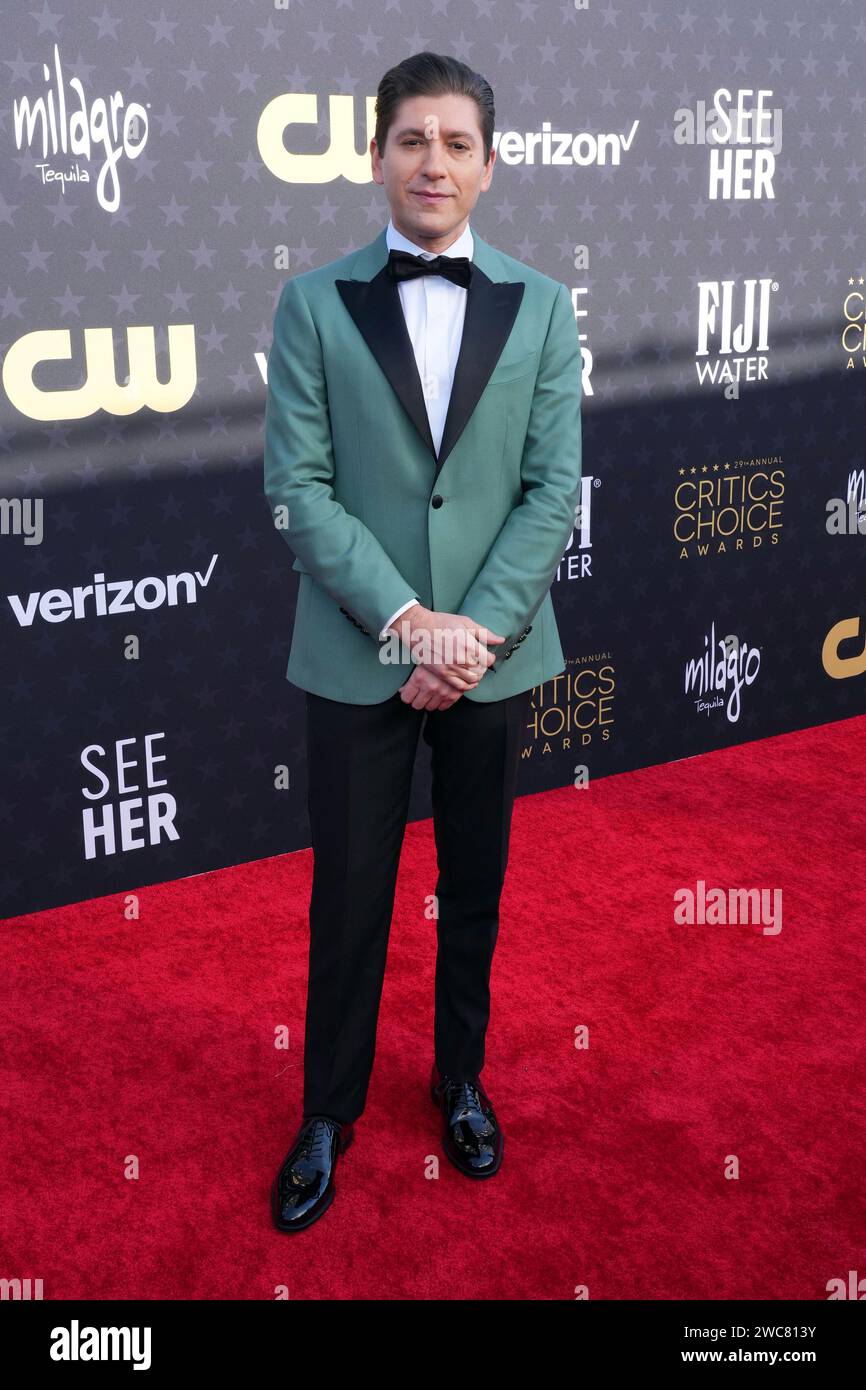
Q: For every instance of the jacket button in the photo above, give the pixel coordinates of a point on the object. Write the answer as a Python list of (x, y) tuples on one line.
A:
[(437, 500)]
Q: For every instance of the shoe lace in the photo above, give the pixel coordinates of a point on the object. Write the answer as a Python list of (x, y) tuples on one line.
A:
[(316, 1138), (463, 1095)]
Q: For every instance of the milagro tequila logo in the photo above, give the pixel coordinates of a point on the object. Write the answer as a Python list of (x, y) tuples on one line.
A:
[(846, 516), (733, 329), (713, 677), (60, 124)]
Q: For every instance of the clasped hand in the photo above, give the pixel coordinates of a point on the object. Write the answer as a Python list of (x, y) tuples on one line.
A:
[(459, 656)]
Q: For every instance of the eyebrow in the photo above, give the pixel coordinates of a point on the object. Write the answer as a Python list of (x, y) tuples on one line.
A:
[(449, 134)]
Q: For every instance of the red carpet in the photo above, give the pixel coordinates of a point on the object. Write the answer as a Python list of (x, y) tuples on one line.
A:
[(153, 1042)]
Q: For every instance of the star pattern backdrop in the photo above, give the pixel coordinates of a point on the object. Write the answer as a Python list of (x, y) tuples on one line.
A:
[(694, 174)]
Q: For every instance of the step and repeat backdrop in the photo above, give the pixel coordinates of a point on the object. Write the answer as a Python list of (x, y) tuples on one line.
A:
[(695, 176)]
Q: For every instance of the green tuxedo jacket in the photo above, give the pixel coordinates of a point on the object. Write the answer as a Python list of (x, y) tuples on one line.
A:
[(375, 517)]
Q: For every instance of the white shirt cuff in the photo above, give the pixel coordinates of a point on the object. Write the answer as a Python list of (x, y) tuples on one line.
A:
[(384, 633)]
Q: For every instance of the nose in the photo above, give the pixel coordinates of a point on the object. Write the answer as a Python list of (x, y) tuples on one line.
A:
[(434, 163)]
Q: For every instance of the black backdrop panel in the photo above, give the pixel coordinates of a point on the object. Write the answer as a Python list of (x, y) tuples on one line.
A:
[(148, 731)]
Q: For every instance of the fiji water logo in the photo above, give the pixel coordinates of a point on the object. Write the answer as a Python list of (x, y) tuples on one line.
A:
[(61, 125), (717, 679)]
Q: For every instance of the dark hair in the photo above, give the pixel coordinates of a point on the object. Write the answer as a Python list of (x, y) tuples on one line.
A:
[(433, 74)]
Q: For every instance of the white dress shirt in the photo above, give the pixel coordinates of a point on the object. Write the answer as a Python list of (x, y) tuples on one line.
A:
[(434, 309)]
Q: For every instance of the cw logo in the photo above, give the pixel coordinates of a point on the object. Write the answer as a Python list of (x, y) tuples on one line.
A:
[(101, 389), (841, 667), (340, 158)]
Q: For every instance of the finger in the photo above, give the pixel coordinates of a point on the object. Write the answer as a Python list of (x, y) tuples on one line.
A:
[(453, 680), (475, 656), (486, 634), (458, 680)]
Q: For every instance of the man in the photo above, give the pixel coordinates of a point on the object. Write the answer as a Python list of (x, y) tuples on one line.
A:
[(423, 462)]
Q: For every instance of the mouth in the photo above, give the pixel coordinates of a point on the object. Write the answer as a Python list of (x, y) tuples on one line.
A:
[(432, 197)]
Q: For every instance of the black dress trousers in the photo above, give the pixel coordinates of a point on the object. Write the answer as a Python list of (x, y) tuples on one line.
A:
[(360, 761)]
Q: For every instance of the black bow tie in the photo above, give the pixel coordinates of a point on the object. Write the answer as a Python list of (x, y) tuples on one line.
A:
[(402, 265)]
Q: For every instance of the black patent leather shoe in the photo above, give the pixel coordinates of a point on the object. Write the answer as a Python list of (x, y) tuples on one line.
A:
[(304, 1188), (471, 1136)]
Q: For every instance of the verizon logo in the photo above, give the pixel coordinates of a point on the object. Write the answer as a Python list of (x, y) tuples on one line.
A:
[(104, 598)]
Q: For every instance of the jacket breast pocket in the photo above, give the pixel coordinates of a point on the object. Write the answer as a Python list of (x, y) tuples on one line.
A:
[(512, 370)]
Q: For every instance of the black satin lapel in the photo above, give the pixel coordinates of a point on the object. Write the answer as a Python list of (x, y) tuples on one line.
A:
[(375, 306), (491, 308)]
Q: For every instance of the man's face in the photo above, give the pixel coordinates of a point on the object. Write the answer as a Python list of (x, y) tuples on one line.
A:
[(433, 168)]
